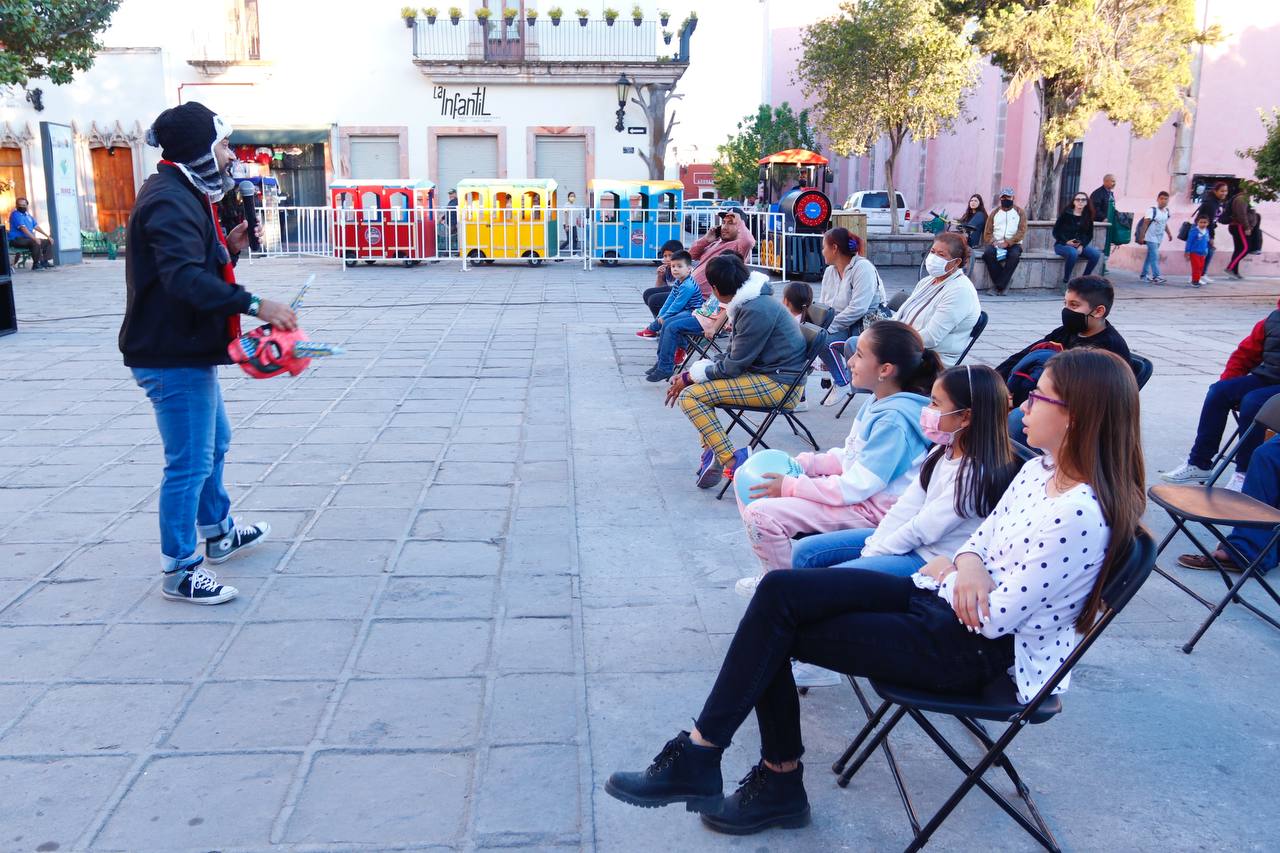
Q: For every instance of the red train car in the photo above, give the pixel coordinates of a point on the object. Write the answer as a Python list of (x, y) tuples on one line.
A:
[(383, 221)]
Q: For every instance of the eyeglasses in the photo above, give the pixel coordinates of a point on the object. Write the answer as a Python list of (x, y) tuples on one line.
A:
[(1035, 395)]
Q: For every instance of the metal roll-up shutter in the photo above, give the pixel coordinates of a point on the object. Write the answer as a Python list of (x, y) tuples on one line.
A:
[(375, 157), (464, 157), (563, 159)]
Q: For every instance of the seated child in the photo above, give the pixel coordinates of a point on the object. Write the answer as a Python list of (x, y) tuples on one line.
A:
[(656, 295), (683, 297), (959, 484), (797, 296), (852, 486)]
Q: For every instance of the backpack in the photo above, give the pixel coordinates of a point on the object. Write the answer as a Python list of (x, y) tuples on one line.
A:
[(1140, 234), (1225, 216)]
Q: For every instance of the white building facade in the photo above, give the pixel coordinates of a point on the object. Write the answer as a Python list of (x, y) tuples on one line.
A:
[(318, 93)]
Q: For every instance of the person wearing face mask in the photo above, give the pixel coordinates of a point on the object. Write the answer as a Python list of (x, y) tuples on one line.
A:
[(183, 308), (944, 304), (1085, 308), (1006, 226), (25, 233)]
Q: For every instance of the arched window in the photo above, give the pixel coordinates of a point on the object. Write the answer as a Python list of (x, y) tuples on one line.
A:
[(639, 204), (531, 206), (345, 202), (369, 205), (504, 213), (608, 205), (399, 207), (667, 205)]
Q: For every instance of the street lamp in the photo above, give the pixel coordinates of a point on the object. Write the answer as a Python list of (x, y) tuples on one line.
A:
[(624, 86)]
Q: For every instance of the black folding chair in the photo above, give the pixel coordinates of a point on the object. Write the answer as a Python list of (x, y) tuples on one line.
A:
[(698, 346), (1213, 508), (1142, 369), (784, 408), (998, 702), (1235, 433), (976, 332)]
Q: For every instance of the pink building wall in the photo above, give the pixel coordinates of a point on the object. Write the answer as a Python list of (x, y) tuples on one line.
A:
[(1237, 79)]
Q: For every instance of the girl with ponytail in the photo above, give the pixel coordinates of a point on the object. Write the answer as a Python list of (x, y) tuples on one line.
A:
[(854, 485), (851, 286)]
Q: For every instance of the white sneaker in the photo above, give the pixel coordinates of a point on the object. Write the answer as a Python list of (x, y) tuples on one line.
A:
[(1204, 279), (837, 396), (1236, 483), (746, 587), (1187, 473), (810, 675), (802, 406)]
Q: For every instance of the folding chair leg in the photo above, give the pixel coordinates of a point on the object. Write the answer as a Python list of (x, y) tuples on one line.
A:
[(889, 757), (808, 436), (838, 766), (845, 406), (870, 747), (1222, 605)]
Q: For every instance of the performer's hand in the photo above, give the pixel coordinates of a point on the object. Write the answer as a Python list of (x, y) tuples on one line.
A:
[(278, 314), (238, 238)]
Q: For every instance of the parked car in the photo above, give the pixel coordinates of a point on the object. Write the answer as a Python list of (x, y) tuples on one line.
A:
[(875, 204), (700, 215)]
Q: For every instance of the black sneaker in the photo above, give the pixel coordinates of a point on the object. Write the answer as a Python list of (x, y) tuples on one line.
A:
[(658, 376), (682, 772), (222, 548), (196, 585), (764, 799)]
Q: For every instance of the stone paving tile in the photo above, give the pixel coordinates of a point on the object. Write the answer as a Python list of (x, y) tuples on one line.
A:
[(467, 541)]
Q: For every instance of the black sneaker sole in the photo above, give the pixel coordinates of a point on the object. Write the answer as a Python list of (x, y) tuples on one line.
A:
[(186, 599), (698, 805), (795, 821), (245, 547)]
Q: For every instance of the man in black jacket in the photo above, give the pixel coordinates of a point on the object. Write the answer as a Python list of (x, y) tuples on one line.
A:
[(183, 309)]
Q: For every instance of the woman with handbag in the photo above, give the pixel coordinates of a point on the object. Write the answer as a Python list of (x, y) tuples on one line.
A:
[(852, 287), (944, 306)]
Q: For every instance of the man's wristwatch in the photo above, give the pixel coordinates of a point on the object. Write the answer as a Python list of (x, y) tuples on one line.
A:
[(255, 305)]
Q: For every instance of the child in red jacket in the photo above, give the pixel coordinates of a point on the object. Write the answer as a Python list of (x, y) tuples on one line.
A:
[(1252, 377)]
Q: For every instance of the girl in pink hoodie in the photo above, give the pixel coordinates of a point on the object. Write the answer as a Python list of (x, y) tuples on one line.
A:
[(854, 485)]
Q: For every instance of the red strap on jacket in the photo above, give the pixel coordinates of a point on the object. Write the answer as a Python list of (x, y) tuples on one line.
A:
[(228, 271)]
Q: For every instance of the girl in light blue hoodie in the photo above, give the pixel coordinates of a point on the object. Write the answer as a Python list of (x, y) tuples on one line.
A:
[(854, 485)]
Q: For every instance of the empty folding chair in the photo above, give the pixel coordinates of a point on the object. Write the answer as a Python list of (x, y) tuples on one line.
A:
[(737, 414), (998, 703), (1214, 509), (1142, 368)]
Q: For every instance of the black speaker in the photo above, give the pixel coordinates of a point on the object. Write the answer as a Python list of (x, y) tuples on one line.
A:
[(8, 314)]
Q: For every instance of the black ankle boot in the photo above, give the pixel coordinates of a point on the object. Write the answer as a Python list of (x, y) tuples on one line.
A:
[(763, 799), (682, 773)]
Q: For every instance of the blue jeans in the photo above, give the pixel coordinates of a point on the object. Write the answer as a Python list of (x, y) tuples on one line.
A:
[(1249, 393), (1151, 266), (196, 434), (1070, 254), (843, 550), (672, 337), (1016, 430), (835, 355), (1262, 483), (1208, 256)]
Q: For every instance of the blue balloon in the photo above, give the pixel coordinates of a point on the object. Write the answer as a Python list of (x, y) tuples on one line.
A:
[(751, 473)]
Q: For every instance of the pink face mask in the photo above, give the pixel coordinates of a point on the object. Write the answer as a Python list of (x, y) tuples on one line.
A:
[(930, 420)]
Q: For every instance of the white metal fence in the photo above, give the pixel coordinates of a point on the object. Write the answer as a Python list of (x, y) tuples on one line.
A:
[(490, 235)]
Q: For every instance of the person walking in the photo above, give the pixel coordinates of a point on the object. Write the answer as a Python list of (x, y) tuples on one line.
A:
[(1237, 218), (183, 309), (1103, 202), (1072, 234), (1152, 230), (1005, 228), (1212, 206)]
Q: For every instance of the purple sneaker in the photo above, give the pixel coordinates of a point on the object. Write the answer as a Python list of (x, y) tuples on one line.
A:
[(709, 473), (739, 456)]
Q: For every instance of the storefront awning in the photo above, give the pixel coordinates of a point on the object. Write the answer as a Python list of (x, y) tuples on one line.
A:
[(280, 135)]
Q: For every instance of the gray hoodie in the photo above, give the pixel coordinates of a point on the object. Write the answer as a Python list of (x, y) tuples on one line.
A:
[(766, 339)]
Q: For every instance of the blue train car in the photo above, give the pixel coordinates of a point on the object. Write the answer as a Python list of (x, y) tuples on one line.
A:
[(630, 220)]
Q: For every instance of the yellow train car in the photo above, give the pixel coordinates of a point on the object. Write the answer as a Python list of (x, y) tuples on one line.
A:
[(508, 219)]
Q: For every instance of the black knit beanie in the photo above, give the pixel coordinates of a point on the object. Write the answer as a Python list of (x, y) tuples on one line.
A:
[(184, 133)]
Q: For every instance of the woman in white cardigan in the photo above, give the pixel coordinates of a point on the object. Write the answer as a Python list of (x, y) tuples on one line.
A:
[(944, 306), (851, 285)]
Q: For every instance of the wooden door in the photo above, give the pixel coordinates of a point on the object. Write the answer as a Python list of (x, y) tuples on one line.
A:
[(12, 184), (113, 183)]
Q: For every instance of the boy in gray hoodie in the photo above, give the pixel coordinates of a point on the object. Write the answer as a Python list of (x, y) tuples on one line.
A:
[(765, 354)]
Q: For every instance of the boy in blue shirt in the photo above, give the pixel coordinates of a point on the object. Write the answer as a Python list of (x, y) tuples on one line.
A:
[(1198, 248), (685, 294)]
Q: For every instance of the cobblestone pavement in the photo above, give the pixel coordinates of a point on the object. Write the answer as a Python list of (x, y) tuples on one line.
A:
[(491, 582)]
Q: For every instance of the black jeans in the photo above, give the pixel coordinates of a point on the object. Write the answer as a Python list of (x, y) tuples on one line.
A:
[(654, 297), (853, 621), (1001, 272), (41, 250)]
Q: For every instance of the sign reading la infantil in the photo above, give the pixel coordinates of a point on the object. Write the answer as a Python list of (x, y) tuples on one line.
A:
[(462, 104)]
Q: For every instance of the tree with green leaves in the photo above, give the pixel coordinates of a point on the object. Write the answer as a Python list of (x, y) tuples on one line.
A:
[(50, 38), (769, 130), (1129, 60), (1265, 184), (886, 68)]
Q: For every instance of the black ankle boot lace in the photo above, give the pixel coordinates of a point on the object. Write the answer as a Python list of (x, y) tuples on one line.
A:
[(667, 757), (750, 786)]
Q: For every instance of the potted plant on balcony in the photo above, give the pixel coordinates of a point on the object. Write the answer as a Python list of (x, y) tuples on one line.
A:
[(531, 15), (637, 15), (555, 14), (665, 17), (482, 15), (509, 15), (408, 13), (431, 13), (666, 36), (455, 15), (582, 17), (610, 15)]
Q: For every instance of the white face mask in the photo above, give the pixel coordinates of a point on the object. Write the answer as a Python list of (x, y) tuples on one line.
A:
[(935, 265)]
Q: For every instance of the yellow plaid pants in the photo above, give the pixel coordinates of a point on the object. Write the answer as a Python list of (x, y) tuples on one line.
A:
[(698, 403)]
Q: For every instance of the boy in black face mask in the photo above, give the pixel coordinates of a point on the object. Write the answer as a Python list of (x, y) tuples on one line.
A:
[(1085, 308)]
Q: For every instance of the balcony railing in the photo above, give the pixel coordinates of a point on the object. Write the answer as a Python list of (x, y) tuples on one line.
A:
[(498, 41)]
